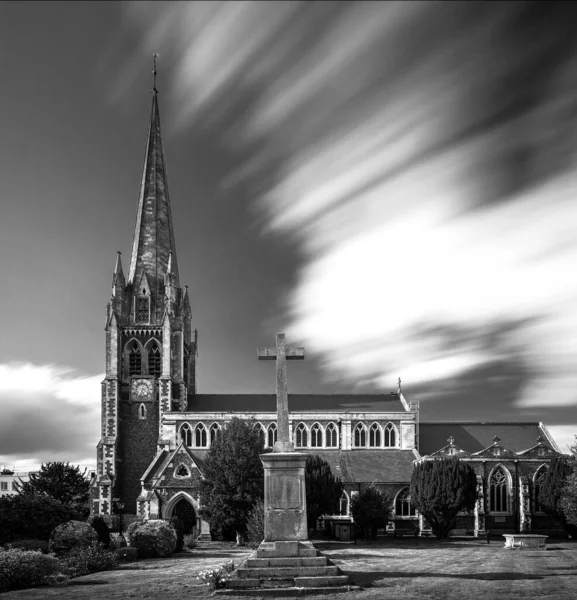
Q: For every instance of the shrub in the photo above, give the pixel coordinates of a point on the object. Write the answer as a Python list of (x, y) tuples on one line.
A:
[(370, 509), (154, 539), (126, 554), (131, 529), (189, 541), (178, 527), (86, 559), (36, 545), (255, 525), (25, 568), (117, 541), (72, 534), (97, 523), (31, 517)]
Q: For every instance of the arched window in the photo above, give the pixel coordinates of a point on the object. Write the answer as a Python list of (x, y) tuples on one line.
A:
[(301, 436), (539, 477), (134, 358), (403, 506), (143, 308), (214, 431), (142, 412), (261, 433), (186, 434), (154, 360), (316, 436), (331, 439), (375, 436), (272, 435), (390, 436), (360, 436), (498, 491), (344, 504), (200, 436)]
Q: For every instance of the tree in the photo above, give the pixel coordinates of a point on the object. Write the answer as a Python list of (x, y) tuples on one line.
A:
[(569, 503), (60, 481), (370, 509), (323, 489), (552, 491), (440, 489), (233, 477)]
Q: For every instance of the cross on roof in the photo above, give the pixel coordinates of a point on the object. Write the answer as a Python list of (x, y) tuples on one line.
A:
[(496, 439), (451, 440)]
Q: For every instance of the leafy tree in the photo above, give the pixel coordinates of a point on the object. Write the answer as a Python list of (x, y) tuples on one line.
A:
[(59, 480), (323, 489), (569, 503), (233, 477), (552, 491), (370, 509), (32, 517), (440, 489)]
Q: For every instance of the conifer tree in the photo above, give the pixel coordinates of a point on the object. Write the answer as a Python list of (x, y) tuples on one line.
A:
[(233, 477), (323, 489), (553, 489), (440, 489), (370, 510)]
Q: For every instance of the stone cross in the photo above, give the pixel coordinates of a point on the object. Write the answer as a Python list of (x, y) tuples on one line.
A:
[(281, 354)]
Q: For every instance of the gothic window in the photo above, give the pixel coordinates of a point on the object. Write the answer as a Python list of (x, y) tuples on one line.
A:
[(134, 359), (143, 309), (360, 436), (316, 436), (498, 491), (403, 506), (154, 360), (182, 472), (331, 436), (214, 431), (375, 436), (390, 436), (301, 436), (344, 504), (186, 434), (272, 435), (200, 436), (142, 412), (261, 435), (539, 477)]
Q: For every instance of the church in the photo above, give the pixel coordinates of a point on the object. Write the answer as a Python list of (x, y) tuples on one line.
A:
[(156, 429)]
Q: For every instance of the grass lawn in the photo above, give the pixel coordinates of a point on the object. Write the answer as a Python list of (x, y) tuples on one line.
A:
[(391, 569)]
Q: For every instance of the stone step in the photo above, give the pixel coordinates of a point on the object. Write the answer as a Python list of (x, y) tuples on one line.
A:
[(316, 561), (302, 553), (287, 592), (324, 581), (285, 572)]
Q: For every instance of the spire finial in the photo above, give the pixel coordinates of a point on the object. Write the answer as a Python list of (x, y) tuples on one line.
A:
[(451, 440), (154, 57), (399, 382)]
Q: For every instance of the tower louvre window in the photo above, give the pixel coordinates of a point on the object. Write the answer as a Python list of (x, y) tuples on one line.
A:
[(143, 309), (154, 361), (134, 360)]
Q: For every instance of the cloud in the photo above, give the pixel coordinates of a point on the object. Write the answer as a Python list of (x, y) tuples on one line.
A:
[(49, 413), (422, 154), (564, 435)]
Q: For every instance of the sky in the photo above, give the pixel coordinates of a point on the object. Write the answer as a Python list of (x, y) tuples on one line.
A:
[(392, 184)]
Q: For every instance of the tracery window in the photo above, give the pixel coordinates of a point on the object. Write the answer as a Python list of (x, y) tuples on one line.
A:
[(301, 436), (539, 477), (143, 309), (375, 436), (360, 436), (390, 436), (214, 431), (182, 471), (186, 434), (272, 435), (316, 436), (498, 491), (261, 433), (403, 506), (134, 359), (200, 436), (154, 360), (331, 439)]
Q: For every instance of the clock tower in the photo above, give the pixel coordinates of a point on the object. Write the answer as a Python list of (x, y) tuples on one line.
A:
[(150, 348)]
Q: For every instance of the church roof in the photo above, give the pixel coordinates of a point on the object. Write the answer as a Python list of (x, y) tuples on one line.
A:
[(153, 234), (476, 436), (297, 403)]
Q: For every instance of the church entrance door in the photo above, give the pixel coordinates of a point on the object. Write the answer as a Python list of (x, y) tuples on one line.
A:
[(184, 511)]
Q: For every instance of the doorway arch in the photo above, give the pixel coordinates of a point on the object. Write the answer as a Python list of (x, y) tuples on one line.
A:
[(183, 506)]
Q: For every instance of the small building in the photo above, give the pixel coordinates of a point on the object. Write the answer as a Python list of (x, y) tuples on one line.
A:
[(9, 481)]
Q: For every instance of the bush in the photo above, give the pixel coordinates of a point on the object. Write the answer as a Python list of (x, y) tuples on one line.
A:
[(36, 545), (97, 523), (189, 541), (129, 532), (370, 509), (25, 568), (86, 559), (178, 527), (117, 541), (154, 539), (31, 517), (126, 554), (72, 534), (255, 525)]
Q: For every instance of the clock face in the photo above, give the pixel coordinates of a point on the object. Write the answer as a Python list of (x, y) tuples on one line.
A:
[(141, 389)]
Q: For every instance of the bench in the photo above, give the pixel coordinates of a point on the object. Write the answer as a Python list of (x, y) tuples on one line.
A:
[(524, 540)]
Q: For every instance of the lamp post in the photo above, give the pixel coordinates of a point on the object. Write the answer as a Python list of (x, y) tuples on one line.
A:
[(120, 508)]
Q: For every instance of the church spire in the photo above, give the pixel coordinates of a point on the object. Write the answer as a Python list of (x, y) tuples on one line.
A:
[(153, 235)]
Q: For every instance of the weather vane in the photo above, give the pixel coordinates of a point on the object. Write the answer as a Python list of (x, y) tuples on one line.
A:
[(154, 57)]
